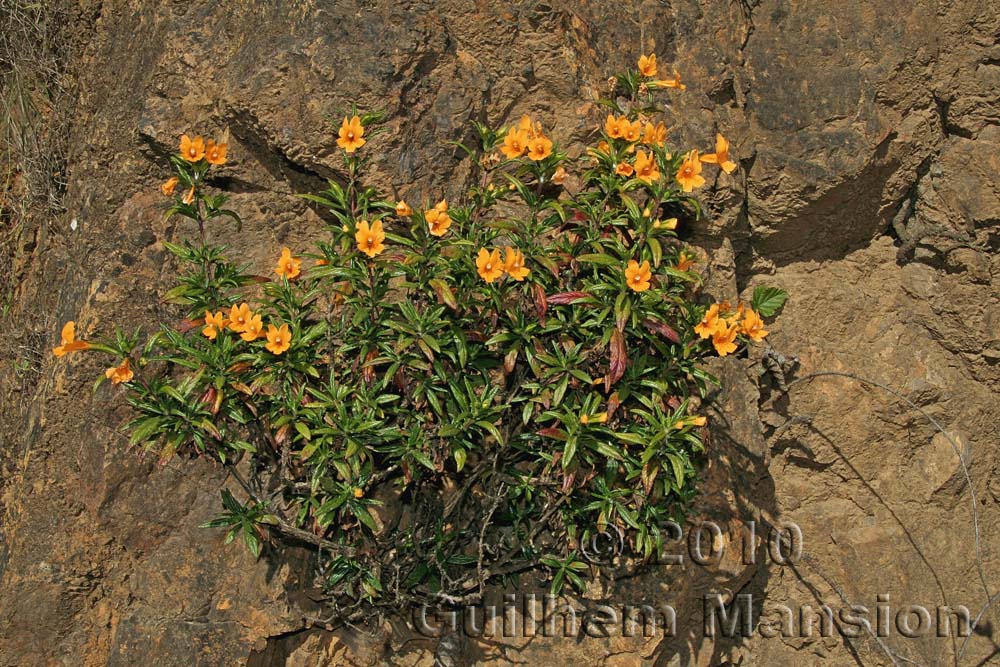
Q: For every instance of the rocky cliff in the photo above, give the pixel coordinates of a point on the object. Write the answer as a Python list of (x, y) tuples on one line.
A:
[(868, 139)]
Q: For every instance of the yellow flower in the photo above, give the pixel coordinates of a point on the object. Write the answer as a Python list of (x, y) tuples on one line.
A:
[(724, 339), (216, 153), (358, 493), (654, 135), (514, 144), (613, 127), (514, 265), (403, 209), (689, 175), (637, 275), (120, 373), (708, 325), (351, 135), (169, 186), (288, 266), (278, 340), (539, 148), (624, 169), (188, 197), (753, 325), (370, 238), (68, 342), (253, 329), (192, 150), (239, 317), (599, 418), (721, 155), (214, 324), (671, 83), (645, 167), (559, 177), (489, 264), (647, 65), (631, 132), (438, 221)]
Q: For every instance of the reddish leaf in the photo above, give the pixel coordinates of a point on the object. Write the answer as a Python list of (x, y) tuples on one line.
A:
[(673, 402), (613, 403), (619, 357), (663, 329), (541, 303), (552, 432), (186, 325), (565, 298), (509, 360), (368, 369)]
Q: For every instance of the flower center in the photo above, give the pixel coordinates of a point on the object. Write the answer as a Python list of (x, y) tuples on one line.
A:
[(350, 136), (489, 267)]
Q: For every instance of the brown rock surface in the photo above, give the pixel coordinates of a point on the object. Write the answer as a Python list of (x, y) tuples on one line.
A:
[(868, 137)]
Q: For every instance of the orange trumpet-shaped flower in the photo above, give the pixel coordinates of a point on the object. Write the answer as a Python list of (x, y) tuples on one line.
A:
[(438, 221), (489, 264), (351, 134), (539, 147), (684, 261), (654, 135), (721, 155), (403, 209), (68, 342), (753, 325), (671, 83), (192, 150), (530, 128), (514, 265), (689, 175), (631, 131), (724, 339), (188, 197), (239, 317), (637, 276), (613, 127), (121, 373), (370, 238), (214, 324), (169, 186), (515, 142), (253, 329), (624, 169), (647, 65), (288, 266), (559, 176), (216, 153), (278, 339), (710, 322), (645, 167)]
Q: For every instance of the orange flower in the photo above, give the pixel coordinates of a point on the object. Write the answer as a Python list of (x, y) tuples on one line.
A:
[(624, 169), (710, 323), (654, 135), (169, 186), (559, 177), (721, 155), (358, 492), (530, 129), (690, 421), (637, 275), (514, 144), (188, 197), (645, 167), (403, 209), (192, 150), (724, 339), (671, 83), (489, 264), (216, 153), (689, 175), (253, 329), (647, 65), (600, 418), (613, 127), (753, 325), (68, 342), (322, 262), (438, 221), (370, 238), (442, 205), (631, 132), (288, 266), (120, 373), (351, 135), (278, 340), (515, 265), (214, 324), (603, 146), (684, 261), (539, 148), (239, 317)]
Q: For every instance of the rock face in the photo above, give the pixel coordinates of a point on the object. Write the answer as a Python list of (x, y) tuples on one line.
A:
[(868, 136)]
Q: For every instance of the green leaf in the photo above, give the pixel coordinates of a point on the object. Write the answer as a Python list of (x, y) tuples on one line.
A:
[(768, 300)]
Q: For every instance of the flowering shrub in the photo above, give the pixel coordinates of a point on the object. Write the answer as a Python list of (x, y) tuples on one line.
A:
[(441, 395)]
